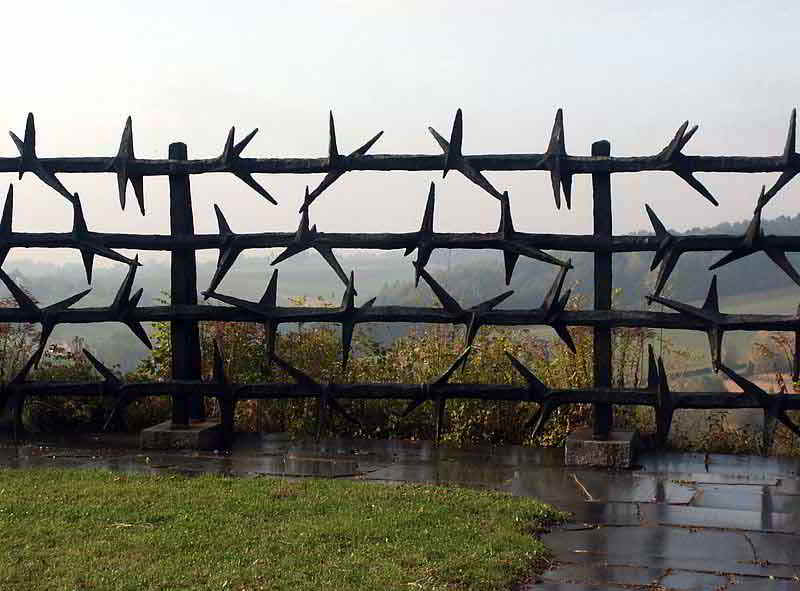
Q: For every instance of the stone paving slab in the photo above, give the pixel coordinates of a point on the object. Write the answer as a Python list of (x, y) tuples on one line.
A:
[(754, 498), (721, 518), (681, 521), (661, 547)]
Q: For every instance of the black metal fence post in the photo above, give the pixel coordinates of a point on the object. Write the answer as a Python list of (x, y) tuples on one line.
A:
[(601, 194), (184, 334)]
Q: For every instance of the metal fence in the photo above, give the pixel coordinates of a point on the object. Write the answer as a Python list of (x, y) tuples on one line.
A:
[(185, 312)]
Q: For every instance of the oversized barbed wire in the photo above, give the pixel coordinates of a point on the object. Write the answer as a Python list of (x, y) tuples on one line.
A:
[(553, 311)]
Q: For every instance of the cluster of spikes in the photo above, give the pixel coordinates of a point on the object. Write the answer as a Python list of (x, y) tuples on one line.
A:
[(307, 237), (708, 317), (121, 309), (555, 159), (508, 241), (84, 240), (552, 308), (347, 314), (669, 248), (665, 403)]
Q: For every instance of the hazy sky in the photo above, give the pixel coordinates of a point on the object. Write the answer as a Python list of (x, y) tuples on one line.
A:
[(630, 72)]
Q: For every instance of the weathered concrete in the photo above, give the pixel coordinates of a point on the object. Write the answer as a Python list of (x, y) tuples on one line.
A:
[(206, 435), (618, 451)]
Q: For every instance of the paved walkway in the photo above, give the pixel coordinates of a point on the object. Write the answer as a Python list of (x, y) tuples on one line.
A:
[(680, 521)]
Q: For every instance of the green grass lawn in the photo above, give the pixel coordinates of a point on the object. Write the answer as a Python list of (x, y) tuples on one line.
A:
[(70, 529)]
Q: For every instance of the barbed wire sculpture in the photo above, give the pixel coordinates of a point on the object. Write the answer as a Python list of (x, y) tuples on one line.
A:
[(184, 312)]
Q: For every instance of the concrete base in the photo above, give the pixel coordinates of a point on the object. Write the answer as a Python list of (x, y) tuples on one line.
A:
[(205, 435), (618, 451)]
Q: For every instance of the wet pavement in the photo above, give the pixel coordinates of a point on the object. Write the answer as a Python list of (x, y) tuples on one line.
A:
[(679, 521)]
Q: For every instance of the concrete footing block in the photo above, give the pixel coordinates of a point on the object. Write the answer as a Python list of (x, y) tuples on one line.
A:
[(618, 451), (205, 435)]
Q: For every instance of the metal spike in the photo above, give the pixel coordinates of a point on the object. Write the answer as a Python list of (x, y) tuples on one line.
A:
[(5, 223), (653, 378), (348, 298), (779, 258), (556, 144), (440, 410), (22, 374), (785, 177), (426, 227), (27, 148), (424, 235), (707, 313), (453, 154), (228, 252), (715, 335), (333, 151), (218, 370), (445, 377), (303, 240), (248, 180), (552, 296), (555, 181), (563, 333), (506, 227), (696, 185), (658, 227), (534, 253), (121, 164), (671, 257), (536, 386), (455, 160), (300, 377), (772, 405), (8, 212), (473, 326), (237, 149), (492, 303), (790, 148), (712, 297), (124, 291), (555, 159), (23, 300), (222, 223), (665, 407), (330, 258), (673, 160), (88, 262), (108, 376), (230, 161), (29, 161), (336, 164), (270, 297), (138, 330), (448, 302), (674, 146), (443, 143), (509, 262), (545, 412)]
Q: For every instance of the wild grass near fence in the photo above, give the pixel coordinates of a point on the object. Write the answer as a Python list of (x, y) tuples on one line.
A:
[(67, 529)]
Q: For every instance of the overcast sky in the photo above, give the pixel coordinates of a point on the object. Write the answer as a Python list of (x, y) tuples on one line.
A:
[(630, 72)]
